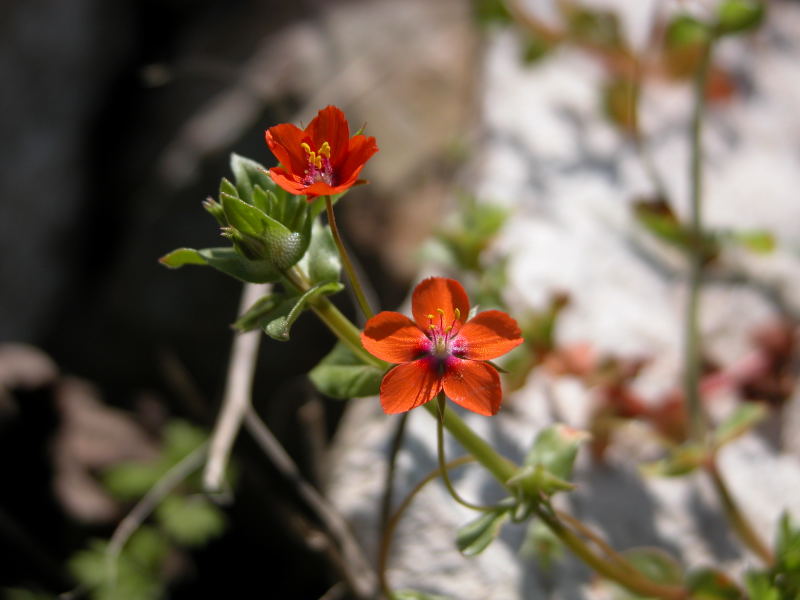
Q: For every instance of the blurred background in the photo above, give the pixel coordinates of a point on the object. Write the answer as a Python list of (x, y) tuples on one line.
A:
[(117, 119)]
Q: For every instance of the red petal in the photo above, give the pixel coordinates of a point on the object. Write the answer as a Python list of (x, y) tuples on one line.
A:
[(437, 293), (360, 150), (394, 338), (474, 385), (489, 334), (287, 181), (409, 385), (330, 125), (284, 140)]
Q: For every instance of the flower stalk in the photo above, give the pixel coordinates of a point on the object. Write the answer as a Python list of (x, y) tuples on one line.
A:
[(361, 298)]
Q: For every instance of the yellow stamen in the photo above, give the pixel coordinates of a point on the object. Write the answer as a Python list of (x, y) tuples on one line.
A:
[(440, 311), (458, 314), (317, 161), (325, 150), (306, 147)]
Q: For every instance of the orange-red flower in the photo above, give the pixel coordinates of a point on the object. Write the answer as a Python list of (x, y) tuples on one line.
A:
[(440, 350), (320, 160)]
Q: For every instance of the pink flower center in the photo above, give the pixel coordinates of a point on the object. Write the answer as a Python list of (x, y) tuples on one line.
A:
[(318, 165), (444, 339)]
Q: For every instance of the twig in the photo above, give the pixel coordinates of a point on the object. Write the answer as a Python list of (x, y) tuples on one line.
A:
[(168, 482), (357, 571), (388, 482), (238, 389)]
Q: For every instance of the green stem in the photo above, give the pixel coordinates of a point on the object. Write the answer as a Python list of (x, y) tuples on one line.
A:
[(633, 581), (440, 401), (348, 265), (736, 517), (697, 420)]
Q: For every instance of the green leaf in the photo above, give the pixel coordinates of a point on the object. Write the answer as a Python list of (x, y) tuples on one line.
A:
[(736, 16), (491, 12), (682, 460), (555, 449), (759, 587), (708, 584), (226, 187), (542, 544), (595, 27), (342, 375), (131, 480), (264, 310), (322, 261), (656, 564), (280, 327), (787, 548), (474, 537), (745, 417), (190, 521), (686, 31), (758, 241), (225, 260)]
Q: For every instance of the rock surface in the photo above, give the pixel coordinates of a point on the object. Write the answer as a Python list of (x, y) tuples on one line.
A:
[(570, 180)]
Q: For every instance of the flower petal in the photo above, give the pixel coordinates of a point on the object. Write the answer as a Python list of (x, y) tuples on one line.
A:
[(474, 385), (489, 334), (360, 149), (284, 140), (287, 181), (439, 293), (394, 338), (330, 125), (409, 385)]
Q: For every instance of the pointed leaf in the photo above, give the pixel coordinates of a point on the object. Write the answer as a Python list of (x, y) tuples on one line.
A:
[(279, 327), (682, 460), (474, 537), (736, 16), (322, 261), (247, 174), (742, 420), (342, 375), (262, 312), (656, 564), (226, 260)]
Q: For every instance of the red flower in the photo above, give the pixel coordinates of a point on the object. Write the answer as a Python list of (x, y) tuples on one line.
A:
[(438, 350), (320, 160)]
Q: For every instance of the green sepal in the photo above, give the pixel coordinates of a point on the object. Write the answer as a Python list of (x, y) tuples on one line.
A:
[(787, 552), (259, 236), (248, 173), (226, 260), (342, 375), (474, 537), (555, 449), (532, 481), (322, 262), (736, 16), (681, 461), (709, 584), (280, 326), (214, 208), (744, 418)]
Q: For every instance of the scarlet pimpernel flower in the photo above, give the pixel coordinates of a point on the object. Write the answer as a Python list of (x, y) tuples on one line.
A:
[(320, 160), (441, 350)]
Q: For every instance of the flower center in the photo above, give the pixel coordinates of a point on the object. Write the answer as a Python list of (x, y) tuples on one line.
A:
[(444, 337), (318, 164)]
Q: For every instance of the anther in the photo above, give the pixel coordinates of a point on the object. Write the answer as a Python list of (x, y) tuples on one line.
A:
[(306, 147), (458, 314), (325, 150)]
